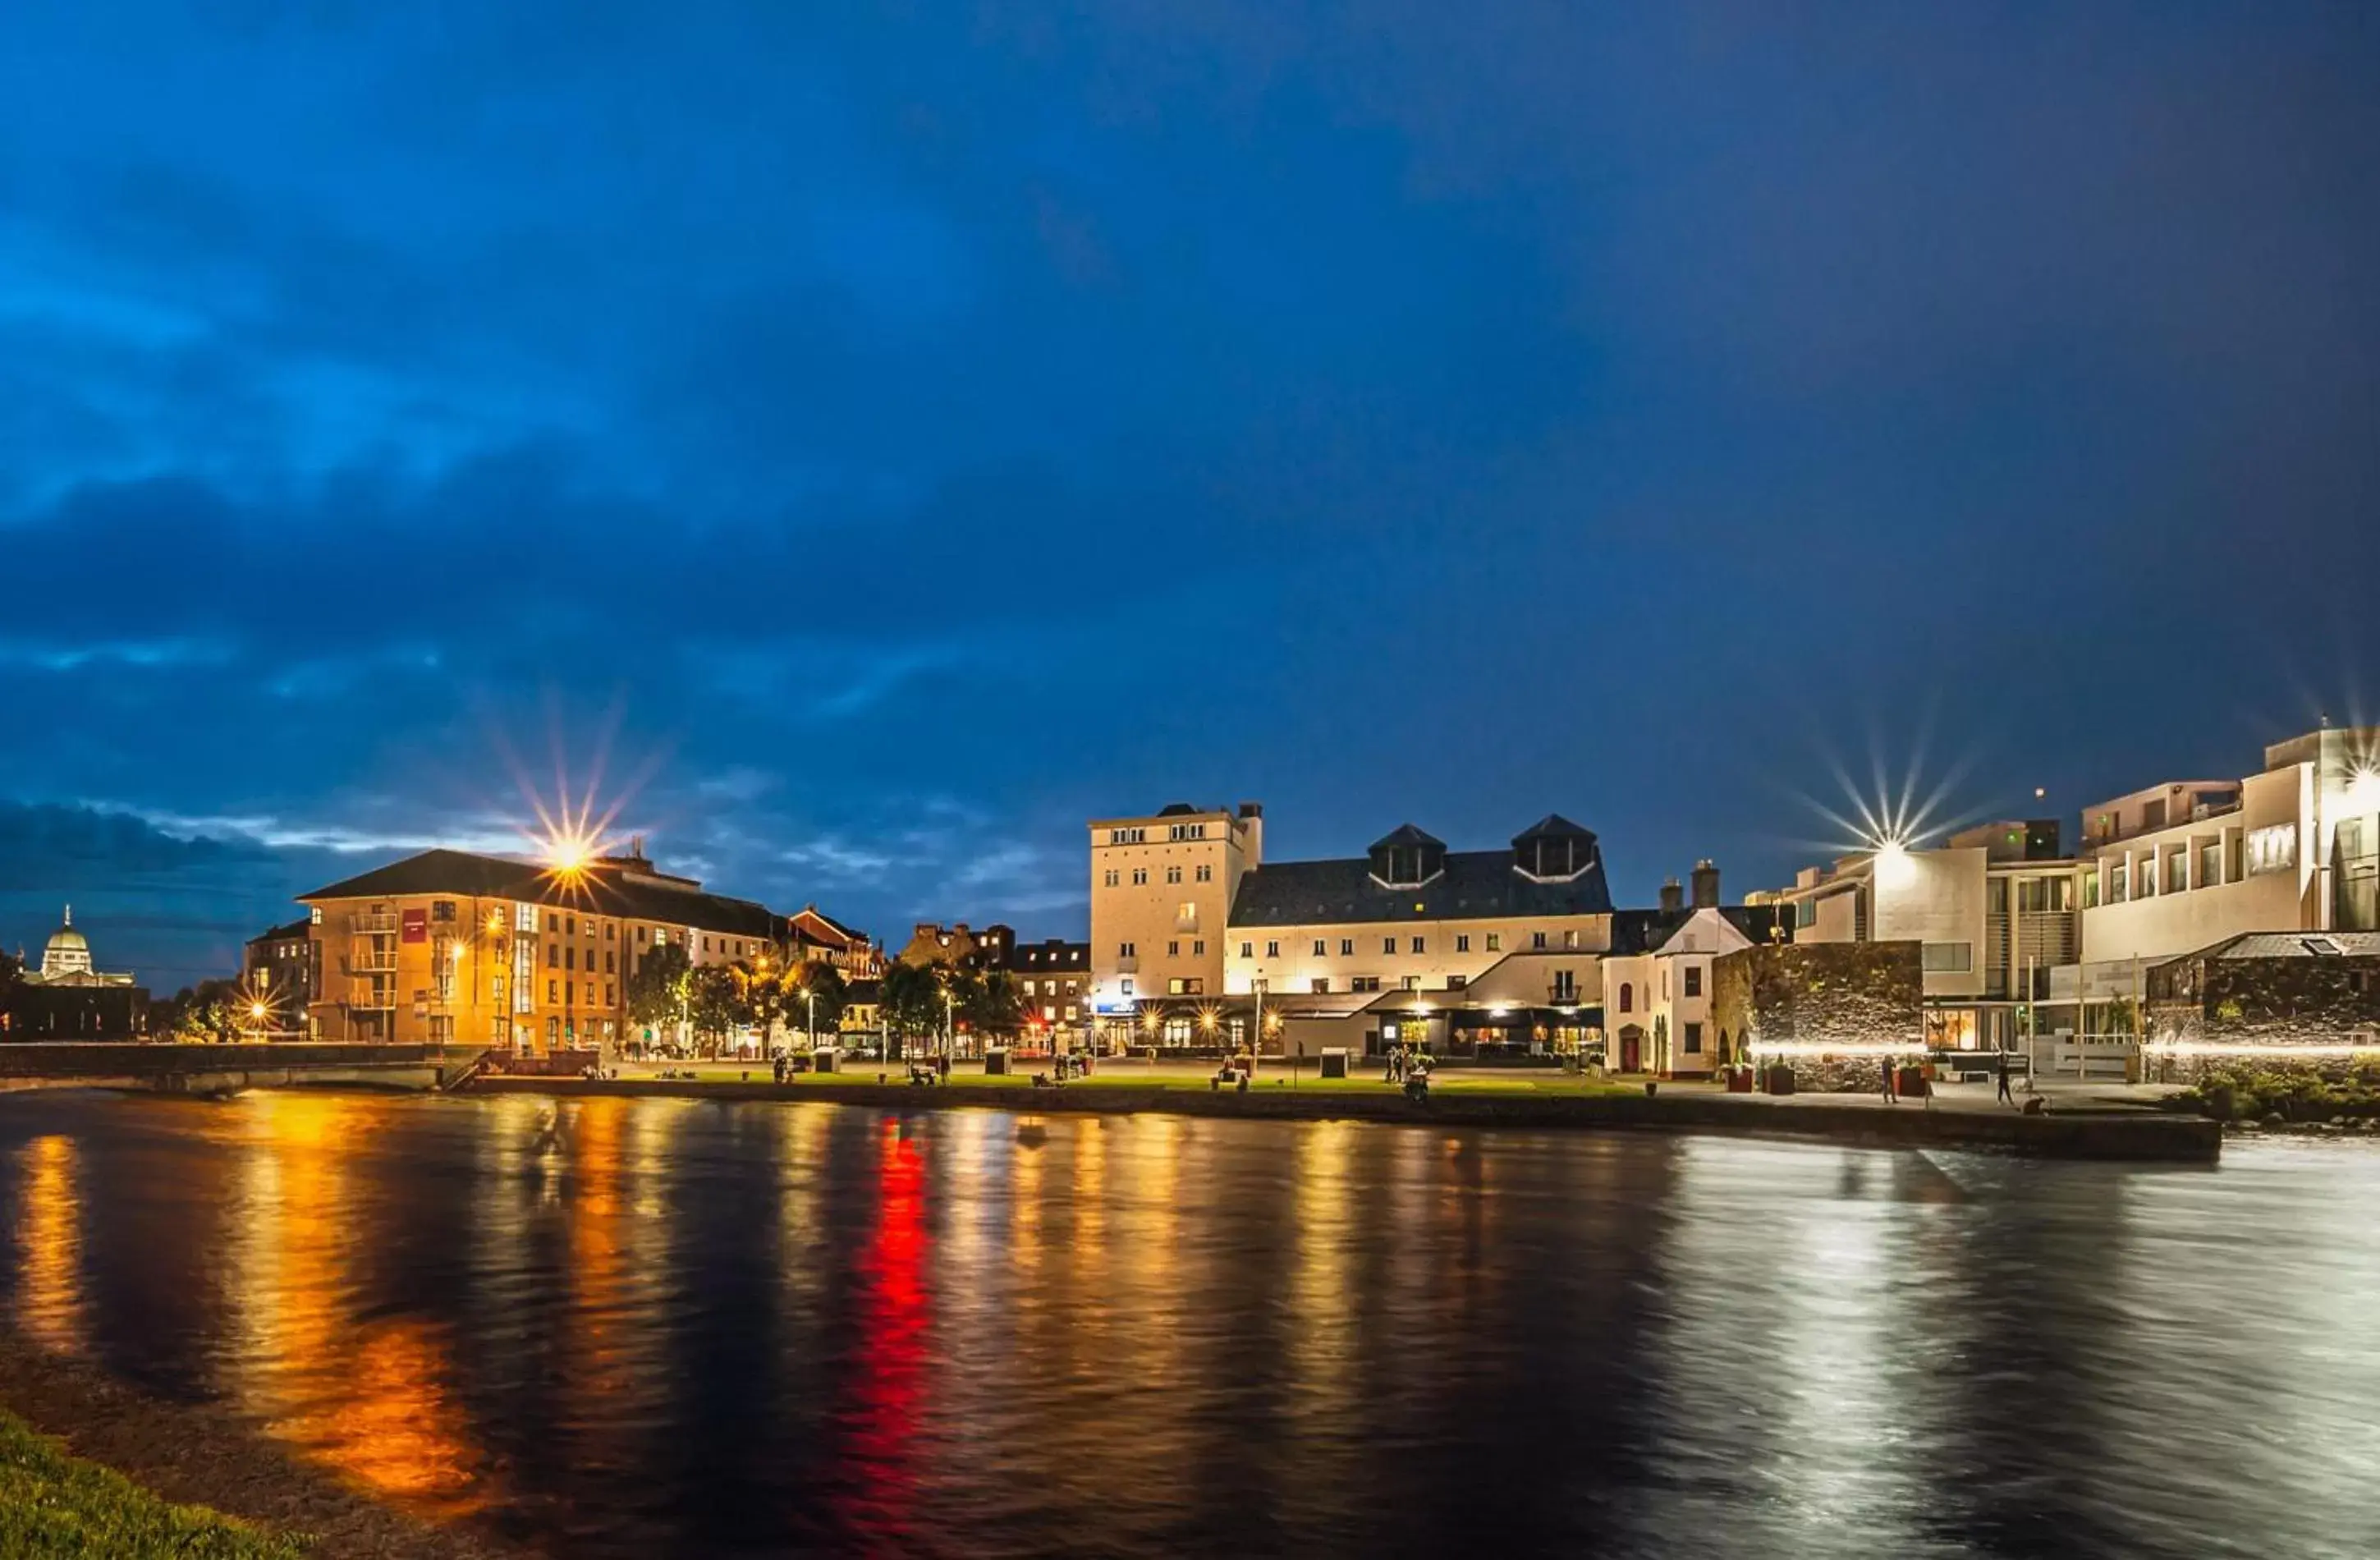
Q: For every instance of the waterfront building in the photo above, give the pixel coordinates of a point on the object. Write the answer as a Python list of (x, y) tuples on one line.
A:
[(810, 933), (68, 998), (1199, 943), (449, 947), (1834, 1013), (1992, 914), (281, 969), (1657, 985), (2183, 866)]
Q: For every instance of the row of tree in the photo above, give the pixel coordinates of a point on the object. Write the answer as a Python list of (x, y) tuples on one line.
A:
[(766, 993), (926, 1005)]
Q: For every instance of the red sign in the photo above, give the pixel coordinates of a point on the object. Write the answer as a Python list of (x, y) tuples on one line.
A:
[(416, 926)]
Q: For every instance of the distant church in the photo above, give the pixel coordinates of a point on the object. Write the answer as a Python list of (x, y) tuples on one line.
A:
[(68, 999)]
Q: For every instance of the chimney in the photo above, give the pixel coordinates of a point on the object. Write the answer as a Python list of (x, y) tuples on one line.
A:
[(1674, 898), (1705, 885)]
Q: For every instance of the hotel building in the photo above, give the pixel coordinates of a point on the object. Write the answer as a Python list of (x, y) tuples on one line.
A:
[(448, 947), (1200, 944)]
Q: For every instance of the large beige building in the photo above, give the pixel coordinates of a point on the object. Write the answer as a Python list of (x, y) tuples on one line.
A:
[(2181, 867), (448, 947), (1161, 890), (1199, 943)]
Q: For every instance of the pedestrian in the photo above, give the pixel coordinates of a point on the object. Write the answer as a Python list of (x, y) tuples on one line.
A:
[(946, 1067), (1885, 1064), (2001, 1066)]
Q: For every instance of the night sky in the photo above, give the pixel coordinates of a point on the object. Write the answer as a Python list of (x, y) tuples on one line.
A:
[(889, 436)]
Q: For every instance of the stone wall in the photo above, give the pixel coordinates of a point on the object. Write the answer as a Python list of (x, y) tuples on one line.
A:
[(2327, 1001), (1808, 994)]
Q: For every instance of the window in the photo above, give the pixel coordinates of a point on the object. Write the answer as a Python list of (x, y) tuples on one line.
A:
[(1412, 983), (1627, 996), (1247, 950), (1071, 1011), (1174, 948), (442, 909), (2210, 863), (1388, 944), (1806, 913), (1463, 942), (1346, 947), (1364, 983), (1123, 950), (2041, 896), (1536, 939), (1693, 980), (1320, 947), (1198, 949), (2119, 879), (569, 958), (1173, 874), (1186, 985), (607, 962), (607, 930), (553, 955), (609, 1001), (1126, 836), (1113, 877), (1565, 986), (1319, 985), (2091, 888), (1665, 983), (1495, 942), (1949, 958), (570, 992), (1456, 983), (640, 933), (552, 922), (1206, 872), (570, 926), (1570, 937), (1188, 916), (1693, 1040), (553, 991), (1125, 985), (1272, 950), (1140, 877), (1418, 944), (2273, 849)]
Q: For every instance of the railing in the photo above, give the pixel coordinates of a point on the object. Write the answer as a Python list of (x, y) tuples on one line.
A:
[(365, 923), (372, 963)]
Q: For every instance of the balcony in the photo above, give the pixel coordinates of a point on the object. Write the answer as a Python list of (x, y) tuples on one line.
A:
[(366, 925), (372, 963)]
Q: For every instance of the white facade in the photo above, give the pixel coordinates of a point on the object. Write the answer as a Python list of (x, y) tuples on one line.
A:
[(1656, 1006)]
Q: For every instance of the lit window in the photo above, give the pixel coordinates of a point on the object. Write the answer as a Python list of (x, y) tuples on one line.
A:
[(1495, 942), (1272, 950)]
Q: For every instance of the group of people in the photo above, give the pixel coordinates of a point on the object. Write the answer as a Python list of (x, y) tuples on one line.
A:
[(1405, 1063)]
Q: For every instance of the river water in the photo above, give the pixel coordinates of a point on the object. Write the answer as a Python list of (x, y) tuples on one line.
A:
[(656, 1327)]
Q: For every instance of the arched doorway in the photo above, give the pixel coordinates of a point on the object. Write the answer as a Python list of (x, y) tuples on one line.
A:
[(1631, 1048)]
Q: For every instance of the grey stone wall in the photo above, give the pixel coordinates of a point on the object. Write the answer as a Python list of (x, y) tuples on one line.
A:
[(1852, 993)]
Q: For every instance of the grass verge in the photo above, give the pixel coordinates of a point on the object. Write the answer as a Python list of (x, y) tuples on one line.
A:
[(54, 1504)]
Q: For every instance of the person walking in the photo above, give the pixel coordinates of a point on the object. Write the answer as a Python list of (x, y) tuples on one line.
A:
[(2002, 1068), (1885, 1067)]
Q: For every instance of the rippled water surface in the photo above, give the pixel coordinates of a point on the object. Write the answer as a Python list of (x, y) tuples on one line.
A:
[(664, 1328)]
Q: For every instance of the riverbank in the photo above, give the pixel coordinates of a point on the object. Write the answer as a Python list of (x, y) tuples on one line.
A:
[(199, 1455), (2126, 1135)]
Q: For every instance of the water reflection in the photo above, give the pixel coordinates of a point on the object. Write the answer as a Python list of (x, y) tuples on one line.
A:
[(49, 1247), (668, 1328)]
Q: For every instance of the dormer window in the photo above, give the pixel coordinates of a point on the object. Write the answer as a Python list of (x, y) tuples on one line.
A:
[(1553, 849), (1407, 858)]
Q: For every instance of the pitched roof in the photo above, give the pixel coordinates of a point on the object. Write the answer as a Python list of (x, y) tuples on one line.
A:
[(1642, 931), (2295, 944), (1406, 835), (1553, 825), (599, 888), (1475, 885), (302, 927)]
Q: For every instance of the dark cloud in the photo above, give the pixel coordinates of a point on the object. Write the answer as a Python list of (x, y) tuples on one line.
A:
[(893, 434)]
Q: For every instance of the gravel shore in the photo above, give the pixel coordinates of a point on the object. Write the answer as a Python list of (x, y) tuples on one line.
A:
[(206, 1455)]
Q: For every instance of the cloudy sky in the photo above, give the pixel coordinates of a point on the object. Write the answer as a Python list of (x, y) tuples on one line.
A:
[(867, 440)]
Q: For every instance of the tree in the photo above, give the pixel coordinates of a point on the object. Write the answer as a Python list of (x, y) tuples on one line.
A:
[(761, 996), (206, 1014), (12, 976), (714, 1002), (658, 988), (990, 1004), (819, 997), (911, 1003)]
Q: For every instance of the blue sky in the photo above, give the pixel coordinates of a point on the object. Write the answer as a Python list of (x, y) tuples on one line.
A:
[(887, 435)]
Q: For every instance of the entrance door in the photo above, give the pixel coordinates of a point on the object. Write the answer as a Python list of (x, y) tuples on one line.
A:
[(1632, 1049)]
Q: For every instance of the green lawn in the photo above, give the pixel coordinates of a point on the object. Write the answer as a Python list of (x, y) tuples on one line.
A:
[(51, 1504), (1132, 1075)]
